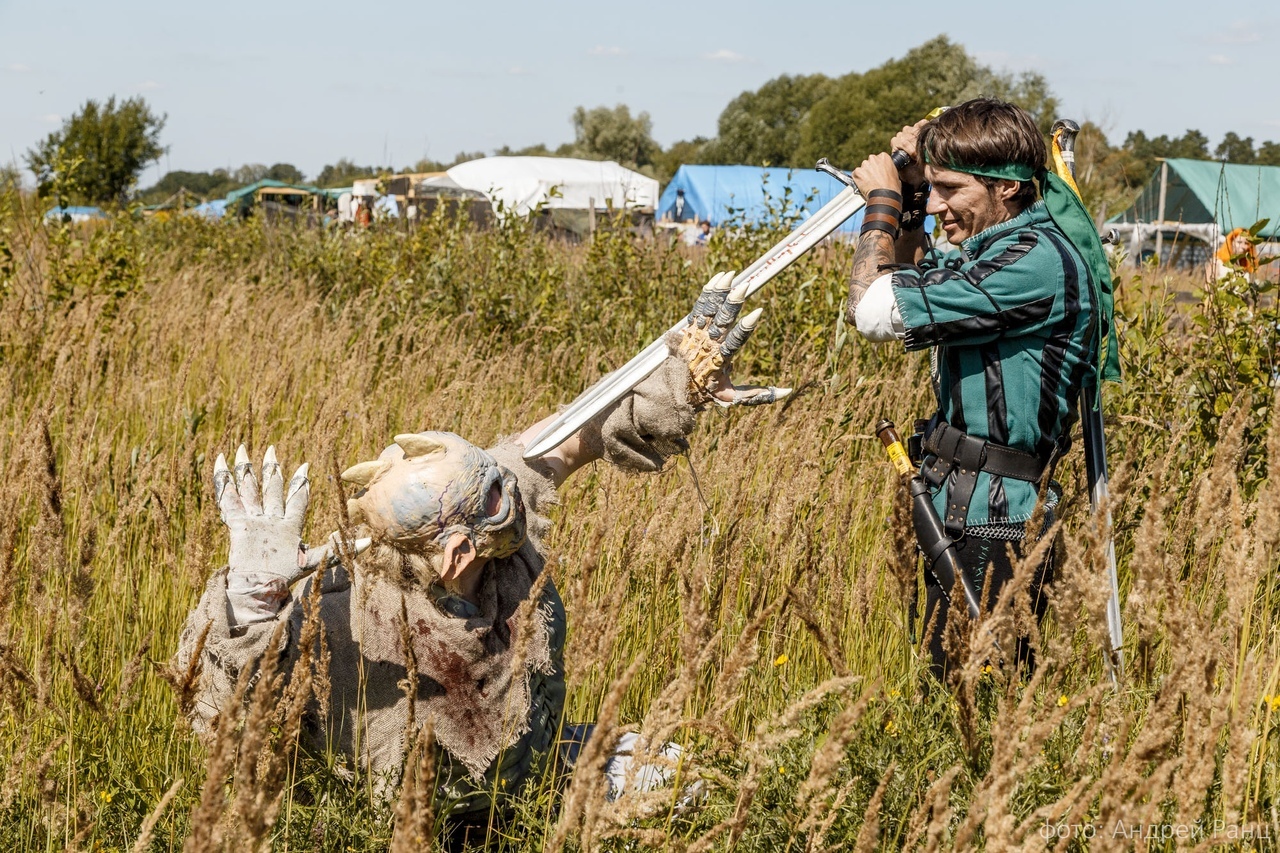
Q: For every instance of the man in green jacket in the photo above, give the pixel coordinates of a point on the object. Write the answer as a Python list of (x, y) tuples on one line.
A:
[(1011, 315)]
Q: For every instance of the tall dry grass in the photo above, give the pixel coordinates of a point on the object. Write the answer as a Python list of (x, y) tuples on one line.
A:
[(749, 603)]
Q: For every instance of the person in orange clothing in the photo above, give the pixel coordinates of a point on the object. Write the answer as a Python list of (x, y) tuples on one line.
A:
[(1236, 254)]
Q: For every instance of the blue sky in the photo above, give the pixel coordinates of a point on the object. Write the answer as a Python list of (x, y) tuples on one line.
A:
[(391, 82)]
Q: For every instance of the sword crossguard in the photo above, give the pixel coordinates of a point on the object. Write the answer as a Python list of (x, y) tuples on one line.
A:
[(824, 166)]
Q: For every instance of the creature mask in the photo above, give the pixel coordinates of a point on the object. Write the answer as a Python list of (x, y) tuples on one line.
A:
[(431, 486)]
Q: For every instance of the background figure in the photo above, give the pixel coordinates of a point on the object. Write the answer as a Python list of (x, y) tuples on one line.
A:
[(680, 210), (1237, 254)]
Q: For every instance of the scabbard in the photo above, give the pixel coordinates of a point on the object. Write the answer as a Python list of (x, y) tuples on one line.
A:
[(938, 548)]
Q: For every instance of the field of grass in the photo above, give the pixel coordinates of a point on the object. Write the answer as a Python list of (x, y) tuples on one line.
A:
[(749, 602)]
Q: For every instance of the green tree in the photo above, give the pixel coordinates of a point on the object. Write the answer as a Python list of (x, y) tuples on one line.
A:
[(426, 164), (343, 172), (765, 127), (859, 113), (249, 173), (682, 152), (10, 179), (1233, 149), (98, 153), (206, 185), (612, 134), (286, 172), (1145, 153), (1268, 154)]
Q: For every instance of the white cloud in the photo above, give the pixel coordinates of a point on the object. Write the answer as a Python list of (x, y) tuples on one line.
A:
[(18, 67), (51, 118), (148, 85), (601, 50), (724, 55), (1220, 59), (1240, 32)]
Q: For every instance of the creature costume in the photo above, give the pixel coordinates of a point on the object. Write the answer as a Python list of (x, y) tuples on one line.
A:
[(490, 678)]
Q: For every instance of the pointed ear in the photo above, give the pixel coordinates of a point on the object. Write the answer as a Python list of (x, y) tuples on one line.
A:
[(459, 554)]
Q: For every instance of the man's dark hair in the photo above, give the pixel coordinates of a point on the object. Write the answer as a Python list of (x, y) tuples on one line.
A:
[(983, 133)]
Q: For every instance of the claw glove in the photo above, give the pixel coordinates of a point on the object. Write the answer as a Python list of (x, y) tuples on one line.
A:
[(266, 535), (648, 426)]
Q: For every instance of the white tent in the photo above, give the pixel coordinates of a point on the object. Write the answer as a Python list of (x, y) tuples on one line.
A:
[(522, 183)]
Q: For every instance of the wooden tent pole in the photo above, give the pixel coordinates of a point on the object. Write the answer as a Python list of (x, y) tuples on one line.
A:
[(1164, 187)]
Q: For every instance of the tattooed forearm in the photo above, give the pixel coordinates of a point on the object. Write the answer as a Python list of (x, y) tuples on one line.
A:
[(875, 250)]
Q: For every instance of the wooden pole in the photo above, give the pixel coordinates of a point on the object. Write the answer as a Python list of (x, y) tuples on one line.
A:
[(591, 216), (1164, 188)]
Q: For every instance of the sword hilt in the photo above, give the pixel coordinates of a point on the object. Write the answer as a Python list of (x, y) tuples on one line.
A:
[(901, 160)]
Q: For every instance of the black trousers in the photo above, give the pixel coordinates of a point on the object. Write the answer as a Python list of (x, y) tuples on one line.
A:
[(980, 556)]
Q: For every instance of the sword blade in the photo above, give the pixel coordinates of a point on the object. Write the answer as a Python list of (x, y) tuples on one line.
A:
[(1095, 459), (611, 388)]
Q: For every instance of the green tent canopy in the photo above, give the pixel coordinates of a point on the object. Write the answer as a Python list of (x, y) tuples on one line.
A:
[(1207, 192), (268, 183)]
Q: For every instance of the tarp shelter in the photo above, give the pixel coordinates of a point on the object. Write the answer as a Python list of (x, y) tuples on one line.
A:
[(74, 214), (521, 184), (1204, 199), (215, 209), (442, 186), (747, 194)]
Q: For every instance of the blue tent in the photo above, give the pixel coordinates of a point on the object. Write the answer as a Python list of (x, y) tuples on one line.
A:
[(746, 194), (74, 214), (215, 209)]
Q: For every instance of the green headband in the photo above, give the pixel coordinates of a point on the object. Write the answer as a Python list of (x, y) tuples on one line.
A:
[(1007, 171)]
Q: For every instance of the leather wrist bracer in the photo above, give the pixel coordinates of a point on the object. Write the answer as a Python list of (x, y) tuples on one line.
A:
[(883, 212)]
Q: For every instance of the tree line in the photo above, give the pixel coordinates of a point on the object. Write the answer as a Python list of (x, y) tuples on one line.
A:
[(791, 121)]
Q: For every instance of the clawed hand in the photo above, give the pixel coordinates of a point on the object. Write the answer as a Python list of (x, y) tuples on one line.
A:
[(709, 342), (265, 521)]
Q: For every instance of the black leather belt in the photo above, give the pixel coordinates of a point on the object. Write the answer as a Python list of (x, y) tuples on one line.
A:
[(955, 450)]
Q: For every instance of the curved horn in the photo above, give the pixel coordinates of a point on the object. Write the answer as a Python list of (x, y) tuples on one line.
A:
[(415, 445), (363, 474)]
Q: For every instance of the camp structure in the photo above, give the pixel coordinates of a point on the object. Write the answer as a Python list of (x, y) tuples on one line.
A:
[(436, 190), (277, 199), (1188, 206), (729, 196), (565, 192)]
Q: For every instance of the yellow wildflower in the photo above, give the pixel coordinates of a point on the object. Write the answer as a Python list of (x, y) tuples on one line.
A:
[(1062, 701), (780, 660)]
